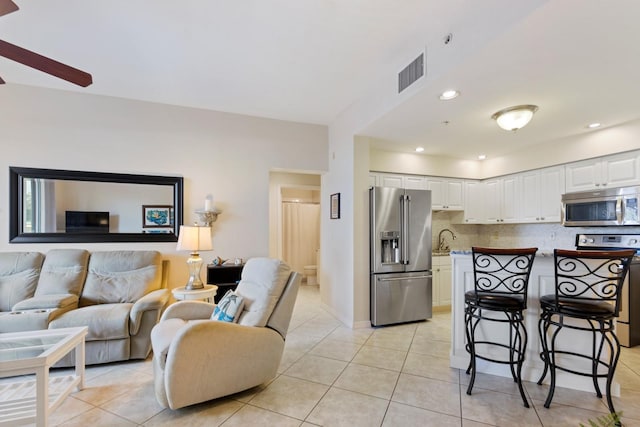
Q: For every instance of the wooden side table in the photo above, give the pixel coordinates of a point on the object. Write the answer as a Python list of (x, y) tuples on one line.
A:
[(206, 294)]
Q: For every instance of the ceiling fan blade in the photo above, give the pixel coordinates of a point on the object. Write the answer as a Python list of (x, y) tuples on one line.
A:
[(44, 64), (7, 6)]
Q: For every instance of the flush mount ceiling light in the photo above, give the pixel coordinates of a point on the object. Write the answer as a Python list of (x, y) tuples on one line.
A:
[(514, 118), (449, 94), (482, 157), (419, 149), (593, 125)]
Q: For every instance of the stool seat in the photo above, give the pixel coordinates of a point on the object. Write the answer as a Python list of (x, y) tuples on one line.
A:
[(492, 301), (578, 308)]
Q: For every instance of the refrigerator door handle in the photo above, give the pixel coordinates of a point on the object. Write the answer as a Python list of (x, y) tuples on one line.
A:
[(395, 279), (405, 204)]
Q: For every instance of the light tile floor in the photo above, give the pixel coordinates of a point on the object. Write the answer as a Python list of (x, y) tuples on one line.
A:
[(334, 376)]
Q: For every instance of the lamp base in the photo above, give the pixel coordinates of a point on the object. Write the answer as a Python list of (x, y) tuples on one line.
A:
[(194, 263)]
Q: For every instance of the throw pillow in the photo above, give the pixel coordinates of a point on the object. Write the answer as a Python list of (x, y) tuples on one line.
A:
[(228, 308)]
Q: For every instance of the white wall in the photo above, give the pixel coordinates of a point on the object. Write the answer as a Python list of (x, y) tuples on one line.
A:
[(226, 155)]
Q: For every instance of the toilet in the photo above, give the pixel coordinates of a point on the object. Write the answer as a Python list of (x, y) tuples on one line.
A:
[(310, 272)]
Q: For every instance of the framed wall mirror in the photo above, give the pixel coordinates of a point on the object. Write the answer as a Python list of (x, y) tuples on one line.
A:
[(56, 206)]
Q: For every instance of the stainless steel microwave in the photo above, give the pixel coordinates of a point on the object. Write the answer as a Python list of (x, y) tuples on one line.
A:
[(611, 206)]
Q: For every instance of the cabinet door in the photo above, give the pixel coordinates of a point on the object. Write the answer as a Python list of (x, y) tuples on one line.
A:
[(394, 181), (551, 188), (492, 200), (414, 182), (454, 194), (530, 208), (437, 187), (621, 170), (444, 290), (510, 200), (473, 202), (373, 180), (583, 176)]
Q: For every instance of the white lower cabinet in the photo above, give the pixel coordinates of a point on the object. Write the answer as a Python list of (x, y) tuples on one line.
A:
[(441, 281)]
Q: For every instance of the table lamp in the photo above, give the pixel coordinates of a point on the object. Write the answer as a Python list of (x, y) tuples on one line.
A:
[(194, 239)]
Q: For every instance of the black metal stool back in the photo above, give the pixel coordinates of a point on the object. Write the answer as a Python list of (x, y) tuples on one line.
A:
[(588, 286), (501, 280)]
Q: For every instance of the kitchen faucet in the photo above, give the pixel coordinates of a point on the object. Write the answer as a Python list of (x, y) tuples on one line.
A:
[(441, 241)]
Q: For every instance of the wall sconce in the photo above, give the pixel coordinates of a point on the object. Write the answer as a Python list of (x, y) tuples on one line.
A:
[(209, 214), (194, 239), (514, 118)]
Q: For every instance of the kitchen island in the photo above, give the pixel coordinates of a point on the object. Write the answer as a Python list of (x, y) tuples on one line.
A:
[(541, 282)]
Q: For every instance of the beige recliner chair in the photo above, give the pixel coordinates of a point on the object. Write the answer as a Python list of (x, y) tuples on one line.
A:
[(197, 359)]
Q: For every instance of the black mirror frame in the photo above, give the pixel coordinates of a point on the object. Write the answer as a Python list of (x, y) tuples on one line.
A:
[(16, 175)]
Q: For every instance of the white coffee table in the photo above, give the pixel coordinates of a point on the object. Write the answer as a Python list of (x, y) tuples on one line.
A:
[(207, 293), (34, 352)]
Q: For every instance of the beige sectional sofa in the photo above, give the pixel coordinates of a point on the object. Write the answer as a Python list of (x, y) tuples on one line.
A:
[(118, 295)]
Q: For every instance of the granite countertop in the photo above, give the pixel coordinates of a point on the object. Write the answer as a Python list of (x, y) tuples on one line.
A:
[(540, 253)]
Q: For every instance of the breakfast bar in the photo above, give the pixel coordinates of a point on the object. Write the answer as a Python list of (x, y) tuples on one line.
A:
[(541, 282)]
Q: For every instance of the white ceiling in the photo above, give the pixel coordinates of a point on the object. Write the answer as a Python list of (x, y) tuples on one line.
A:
[(309, 60)]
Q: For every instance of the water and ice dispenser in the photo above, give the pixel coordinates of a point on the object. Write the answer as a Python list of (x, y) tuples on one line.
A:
[(390, 246)]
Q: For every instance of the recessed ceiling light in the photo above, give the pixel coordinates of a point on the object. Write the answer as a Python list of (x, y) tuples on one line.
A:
[(449, 94), (482, 157), (593, 125), (419, 149)]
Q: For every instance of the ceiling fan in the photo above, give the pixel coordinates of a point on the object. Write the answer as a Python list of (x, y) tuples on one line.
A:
[(37, 61)]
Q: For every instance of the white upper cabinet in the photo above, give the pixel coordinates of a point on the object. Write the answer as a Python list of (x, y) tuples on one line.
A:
[(411, 182), (502, 199), (620, 170), (542, 190), (446, 193), (473, 202)]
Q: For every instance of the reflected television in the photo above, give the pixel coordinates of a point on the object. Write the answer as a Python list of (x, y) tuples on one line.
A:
[(86, 222)]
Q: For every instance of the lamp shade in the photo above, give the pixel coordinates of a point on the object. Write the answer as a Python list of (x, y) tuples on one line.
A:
[(194, 238), (514, 118)]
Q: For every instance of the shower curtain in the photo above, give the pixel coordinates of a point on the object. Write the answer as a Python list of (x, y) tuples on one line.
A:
[(300, 234)]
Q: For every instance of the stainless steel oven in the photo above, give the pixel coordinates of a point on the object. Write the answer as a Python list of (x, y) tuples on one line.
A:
[(628, 323), (612, 206)]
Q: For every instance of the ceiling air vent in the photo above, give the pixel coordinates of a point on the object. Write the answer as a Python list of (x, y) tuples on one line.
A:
[(411, 73)]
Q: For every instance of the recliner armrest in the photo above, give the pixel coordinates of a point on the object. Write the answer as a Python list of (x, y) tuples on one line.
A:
[(63, 301), (189, 310), (155, 300)]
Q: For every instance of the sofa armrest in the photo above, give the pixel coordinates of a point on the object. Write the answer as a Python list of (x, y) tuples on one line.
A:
[(189, 310), (155, 300), (64, 301)]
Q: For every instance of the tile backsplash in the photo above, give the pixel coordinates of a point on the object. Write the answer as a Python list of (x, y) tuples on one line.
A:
[(546, 237)]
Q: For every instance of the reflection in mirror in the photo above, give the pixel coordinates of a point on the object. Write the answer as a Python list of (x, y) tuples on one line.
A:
[(72, 206)]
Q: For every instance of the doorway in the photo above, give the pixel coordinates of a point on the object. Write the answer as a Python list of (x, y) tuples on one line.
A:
[(301, 230)]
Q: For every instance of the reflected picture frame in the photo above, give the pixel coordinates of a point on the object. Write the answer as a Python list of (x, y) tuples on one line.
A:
[(334, 204), (157, 216)]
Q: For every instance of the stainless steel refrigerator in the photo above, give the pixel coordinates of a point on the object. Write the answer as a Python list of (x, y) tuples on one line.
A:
[(400, 261)]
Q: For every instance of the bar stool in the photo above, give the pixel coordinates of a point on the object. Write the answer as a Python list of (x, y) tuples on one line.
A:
[(501, 279), (588, 288)]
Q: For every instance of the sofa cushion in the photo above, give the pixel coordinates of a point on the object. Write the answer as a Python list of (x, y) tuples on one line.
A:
[(105, 321), (63, 272), (261, 285), (19, 272), (121, 276)]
